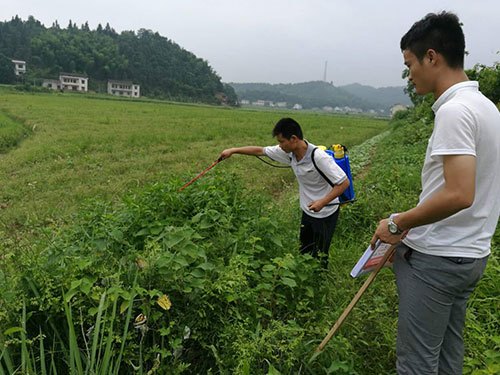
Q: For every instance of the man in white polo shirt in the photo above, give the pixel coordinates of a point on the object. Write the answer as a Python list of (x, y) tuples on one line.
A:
[(318, 198), (447, 236)]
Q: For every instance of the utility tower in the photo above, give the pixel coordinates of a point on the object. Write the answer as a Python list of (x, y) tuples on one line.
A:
[(324, 73)]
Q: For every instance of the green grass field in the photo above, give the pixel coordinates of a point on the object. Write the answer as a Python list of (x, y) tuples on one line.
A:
[(79, 147)]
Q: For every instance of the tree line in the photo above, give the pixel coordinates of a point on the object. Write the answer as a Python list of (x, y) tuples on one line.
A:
[(162, 68)]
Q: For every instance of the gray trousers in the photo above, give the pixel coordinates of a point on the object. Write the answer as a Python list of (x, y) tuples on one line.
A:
[(433, 293)]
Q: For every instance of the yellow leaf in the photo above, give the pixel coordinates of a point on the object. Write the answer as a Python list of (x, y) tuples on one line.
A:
[(164, 302)]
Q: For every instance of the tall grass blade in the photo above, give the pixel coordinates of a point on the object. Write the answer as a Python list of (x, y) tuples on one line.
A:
[(7, 360), (75, 359), (101, 338), (125, 329), (43, 369), (32, 362), (26, 366), (105, 365), (96, 336), (52, 359)]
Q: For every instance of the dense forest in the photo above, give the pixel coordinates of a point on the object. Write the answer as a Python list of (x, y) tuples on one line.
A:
[(162, 68)]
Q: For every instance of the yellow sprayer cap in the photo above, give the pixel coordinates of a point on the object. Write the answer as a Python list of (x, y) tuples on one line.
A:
[(338, 151)]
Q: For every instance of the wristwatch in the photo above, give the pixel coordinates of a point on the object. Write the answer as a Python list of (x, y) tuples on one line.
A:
[(392, 226)]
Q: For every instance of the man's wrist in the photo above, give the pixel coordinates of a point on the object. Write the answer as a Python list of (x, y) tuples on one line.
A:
[(393, 227)]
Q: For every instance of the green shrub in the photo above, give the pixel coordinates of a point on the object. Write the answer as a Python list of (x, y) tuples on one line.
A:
[(219, 257)]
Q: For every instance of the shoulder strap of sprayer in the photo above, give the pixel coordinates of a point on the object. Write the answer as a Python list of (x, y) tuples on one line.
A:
[(319, 170), (327, 180)]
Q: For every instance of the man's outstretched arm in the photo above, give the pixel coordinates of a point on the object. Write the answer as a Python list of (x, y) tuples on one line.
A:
[(246, 150)]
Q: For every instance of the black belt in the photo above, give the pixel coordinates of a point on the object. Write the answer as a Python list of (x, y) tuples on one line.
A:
[(460, 260), (457, 260)]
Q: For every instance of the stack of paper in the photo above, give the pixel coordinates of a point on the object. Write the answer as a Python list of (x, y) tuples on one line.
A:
[(370, 259)]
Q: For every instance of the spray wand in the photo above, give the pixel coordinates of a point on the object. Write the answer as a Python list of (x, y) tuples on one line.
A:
[(202, 173)]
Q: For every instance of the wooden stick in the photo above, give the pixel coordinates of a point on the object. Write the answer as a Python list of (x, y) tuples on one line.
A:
[(356, 298)]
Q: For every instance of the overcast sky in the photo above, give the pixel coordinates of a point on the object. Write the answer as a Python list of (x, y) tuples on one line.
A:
[(280, 41)]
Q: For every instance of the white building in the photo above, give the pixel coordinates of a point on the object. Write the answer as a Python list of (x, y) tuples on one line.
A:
[(68, 82), (52, 84), (73, 82), (19, 67), (297, 106), (124, 88), (259, 103)]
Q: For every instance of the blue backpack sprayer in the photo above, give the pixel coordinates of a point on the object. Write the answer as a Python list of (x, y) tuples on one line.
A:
[(341, 157)]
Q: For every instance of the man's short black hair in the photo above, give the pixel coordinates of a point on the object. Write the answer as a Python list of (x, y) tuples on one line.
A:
[(441, 32), (287, 127)]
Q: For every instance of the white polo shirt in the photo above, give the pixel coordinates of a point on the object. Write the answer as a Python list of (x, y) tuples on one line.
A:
[(312, 186), (466, 123)]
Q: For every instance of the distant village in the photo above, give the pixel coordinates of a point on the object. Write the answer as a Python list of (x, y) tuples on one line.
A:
[(80, 83), (341, 110)]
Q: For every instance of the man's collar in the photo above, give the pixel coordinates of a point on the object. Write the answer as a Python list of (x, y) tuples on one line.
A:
[(445, 96)]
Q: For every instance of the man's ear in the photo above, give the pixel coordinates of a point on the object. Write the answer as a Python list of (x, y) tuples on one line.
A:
[(432, 55)]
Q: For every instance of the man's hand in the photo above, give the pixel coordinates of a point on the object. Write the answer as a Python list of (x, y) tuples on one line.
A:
[(245, 150), (382, 233), (316, 206), (226, 154)]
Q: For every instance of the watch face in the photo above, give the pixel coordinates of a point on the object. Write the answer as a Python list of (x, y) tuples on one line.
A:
[(393, 228)]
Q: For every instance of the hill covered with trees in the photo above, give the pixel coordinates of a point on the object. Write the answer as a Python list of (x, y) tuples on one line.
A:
[(319, 94), (162, 68), (385, 97)]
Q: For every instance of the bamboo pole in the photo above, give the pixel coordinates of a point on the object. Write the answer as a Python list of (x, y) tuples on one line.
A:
[(356, 298)]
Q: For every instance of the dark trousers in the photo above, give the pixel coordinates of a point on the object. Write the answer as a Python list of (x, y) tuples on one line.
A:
[(316, 235)]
